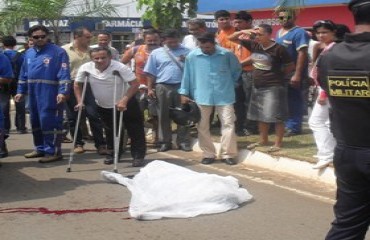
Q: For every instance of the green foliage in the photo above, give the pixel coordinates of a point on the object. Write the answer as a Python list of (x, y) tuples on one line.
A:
[(165, 14), (289, 5), (15, 11)]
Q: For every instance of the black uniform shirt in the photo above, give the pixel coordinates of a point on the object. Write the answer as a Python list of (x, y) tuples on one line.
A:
[(344, 73)]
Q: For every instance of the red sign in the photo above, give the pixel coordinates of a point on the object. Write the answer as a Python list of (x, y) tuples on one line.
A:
[(307, 16)]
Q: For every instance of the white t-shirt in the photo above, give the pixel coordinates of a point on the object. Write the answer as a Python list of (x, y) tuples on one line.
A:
[(190, 42), (102, 83)]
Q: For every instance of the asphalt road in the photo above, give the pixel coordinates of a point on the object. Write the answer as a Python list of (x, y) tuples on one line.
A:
[(284, 207)]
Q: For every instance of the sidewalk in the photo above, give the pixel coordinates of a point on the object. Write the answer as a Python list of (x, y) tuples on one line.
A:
[(299, 168)]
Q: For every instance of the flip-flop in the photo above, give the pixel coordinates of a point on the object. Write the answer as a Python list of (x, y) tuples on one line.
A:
[(253, 146), (273, 149)]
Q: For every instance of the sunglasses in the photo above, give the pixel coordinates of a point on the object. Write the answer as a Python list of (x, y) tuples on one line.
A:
[(320, 23), (39, 37), (284, 17)]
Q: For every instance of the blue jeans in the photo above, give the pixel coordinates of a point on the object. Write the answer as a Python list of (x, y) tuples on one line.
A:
[(295, 104), (5, 108), (20, 112)]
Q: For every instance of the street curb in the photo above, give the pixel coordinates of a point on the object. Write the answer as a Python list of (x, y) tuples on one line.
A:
[(280, 164)]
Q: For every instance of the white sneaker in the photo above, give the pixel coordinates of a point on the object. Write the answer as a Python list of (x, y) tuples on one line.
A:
[(322, 163)]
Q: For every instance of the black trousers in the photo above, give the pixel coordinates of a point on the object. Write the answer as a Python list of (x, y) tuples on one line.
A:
[(91, 113), (352, 209), (133, 121)]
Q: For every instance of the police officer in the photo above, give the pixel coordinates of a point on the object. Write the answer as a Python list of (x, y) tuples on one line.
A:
[(344, 73), (45, 77)]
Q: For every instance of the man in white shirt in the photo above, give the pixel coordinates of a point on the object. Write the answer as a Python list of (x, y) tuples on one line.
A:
[(100, 74), (196, 27)]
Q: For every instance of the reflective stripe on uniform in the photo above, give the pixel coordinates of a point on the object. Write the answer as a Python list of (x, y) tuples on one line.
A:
[(51, 82)]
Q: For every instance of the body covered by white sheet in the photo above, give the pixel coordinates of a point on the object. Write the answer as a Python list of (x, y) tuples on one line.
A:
[(162, 190)]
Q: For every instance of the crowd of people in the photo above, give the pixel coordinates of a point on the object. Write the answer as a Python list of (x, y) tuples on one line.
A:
[(241, 76)]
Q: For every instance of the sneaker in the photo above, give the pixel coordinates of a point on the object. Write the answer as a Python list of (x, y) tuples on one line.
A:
[(67, 140), (48, 159), (322, 164), (138, 162), (109, 160), (34, 154), (22, 131), (291, 133), (102, 150), (79, 149)]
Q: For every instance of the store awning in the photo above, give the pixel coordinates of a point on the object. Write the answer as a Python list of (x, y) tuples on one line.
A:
[(209, 6)]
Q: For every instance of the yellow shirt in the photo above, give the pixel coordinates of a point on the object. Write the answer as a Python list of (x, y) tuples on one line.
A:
[(76, 58)]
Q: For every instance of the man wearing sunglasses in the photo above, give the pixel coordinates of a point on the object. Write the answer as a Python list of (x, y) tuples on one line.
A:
[(296, 40), (45, 77), (344, 73)]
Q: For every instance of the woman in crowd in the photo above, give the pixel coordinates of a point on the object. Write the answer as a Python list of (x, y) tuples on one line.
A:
[(327, 34), (268, 102)]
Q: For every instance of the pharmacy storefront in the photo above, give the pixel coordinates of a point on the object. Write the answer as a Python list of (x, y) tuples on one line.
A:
[(123, 30)]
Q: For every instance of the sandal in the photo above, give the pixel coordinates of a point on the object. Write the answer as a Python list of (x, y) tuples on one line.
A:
[(273, 149), (253, 146)]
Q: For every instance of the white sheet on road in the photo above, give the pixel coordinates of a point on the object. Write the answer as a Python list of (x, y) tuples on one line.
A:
[(162, 189)]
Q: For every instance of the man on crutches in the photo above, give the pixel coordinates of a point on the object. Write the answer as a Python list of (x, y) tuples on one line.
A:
[(114, 86)]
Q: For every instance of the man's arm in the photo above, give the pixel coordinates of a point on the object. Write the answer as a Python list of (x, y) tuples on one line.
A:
[(246, 62), (6, 70), (151, 82), (131, 91), (64, 77), (299, 67), (127, 56), (184, 89)]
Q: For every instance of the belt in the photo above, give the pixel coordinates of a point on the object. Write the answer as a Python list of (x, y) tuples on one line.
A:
[(169, 83)]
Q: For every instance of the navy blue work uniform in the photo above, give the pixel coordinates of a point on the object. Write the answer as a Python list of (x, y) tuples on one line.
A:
[(6, 71), (295, 40), (45, 74), (344, 73)]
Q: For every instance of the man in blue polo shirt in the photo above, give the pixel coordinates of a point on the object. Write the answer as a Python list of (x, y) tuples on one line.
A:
[(164, 69), (210, 76), (295, 39), (6, 75)]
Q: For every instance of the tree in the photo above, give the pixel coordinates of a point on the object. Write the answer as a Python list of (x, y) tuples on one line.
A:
[(289, 5), (167, 13), (15, 11)]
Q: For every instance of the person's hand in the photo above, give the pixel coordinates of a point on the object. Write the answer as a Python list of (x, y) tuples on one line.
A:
[(295, 81), (185, 99), (61, 98), (19, 97), (122, 104), (322, 100), (151, 93), (79, 106)]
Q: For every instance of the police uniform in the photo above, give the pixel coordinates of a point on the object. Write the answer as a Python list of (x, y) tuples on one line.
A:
[(45, 74), (344, 73)]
